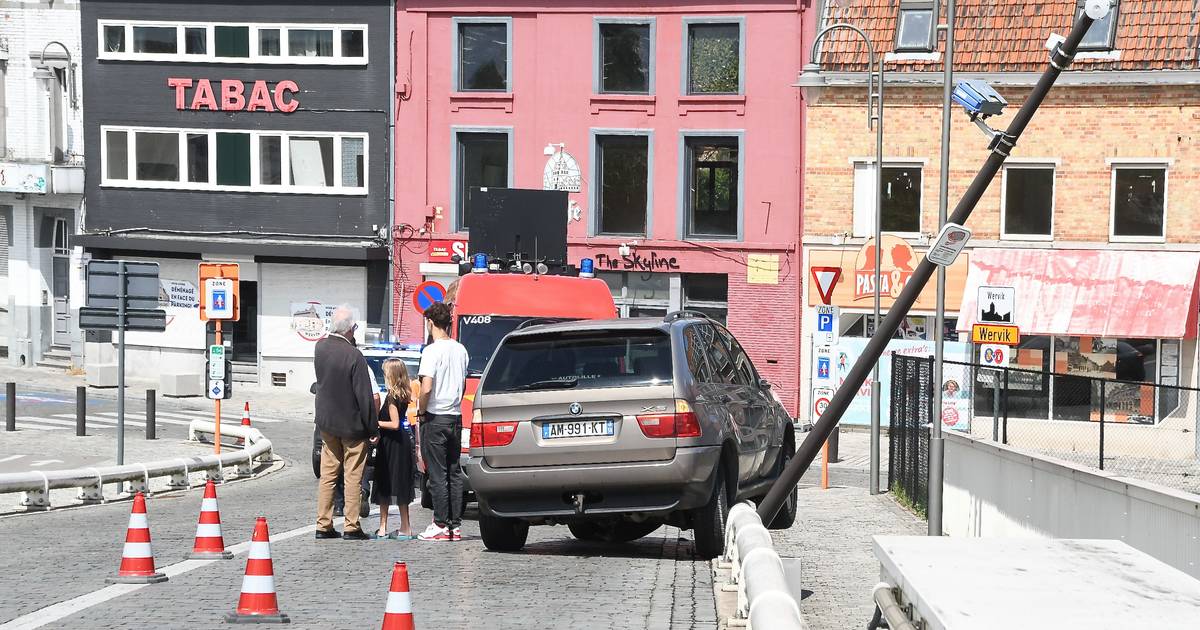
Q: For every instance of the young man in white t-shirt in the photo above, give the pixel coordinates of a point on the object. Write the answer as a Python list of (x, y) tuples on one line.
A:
[(443, 375)]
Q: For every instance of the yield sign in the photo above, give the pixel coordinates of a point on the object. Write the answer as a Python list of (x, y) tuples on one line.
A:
[(826, 278)]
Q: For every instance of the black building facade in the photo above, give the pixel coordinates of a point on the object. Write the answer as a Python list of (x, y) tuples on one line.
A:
[(249, 132)]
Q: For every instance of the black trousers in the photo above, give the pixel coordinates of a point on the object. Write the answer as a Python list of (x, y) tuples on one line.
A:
[(441, 444)]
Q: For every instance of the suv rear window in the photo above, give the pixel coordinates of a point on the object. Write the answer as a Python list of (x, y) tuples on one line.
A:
[(590, 360)]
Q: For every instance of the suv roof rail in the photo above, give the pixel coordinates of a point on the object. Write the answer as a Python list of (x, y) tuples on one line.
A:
[(683, 314), (537, 321)]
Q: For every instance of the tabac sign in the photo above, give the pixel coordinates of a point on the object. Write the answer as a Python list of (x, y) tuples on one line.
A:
[(234, 96)]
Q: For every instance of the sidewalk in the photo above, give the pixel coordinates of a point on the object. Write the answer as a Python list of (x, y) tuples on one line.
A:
[(832, 537), (268, 401)]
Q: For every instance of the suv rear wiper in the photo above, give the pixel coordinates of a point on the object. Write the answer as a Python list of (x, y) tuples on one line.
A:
[(547, 384)]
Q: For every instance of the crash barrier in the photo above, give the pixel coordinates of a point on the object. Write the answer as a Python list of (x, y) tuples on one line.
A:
[(35, 486), (765, 597)]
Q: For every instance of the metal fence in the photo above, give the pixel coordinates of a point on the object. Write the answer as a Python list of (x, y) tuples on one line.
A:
[(908, 431), (1133, 429)]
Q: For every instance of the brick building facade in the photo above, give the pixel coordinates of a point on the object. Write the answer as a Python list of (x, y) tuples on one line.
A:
[(1099, 197)]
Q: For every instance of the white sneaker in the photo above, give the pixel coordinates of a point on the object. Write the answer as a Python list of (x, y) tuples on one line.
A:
[(456, 533), (435, 533)]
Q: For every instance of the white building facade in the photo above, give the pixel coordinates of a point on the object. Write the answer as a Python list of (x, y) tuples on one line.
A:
[(41, 183)]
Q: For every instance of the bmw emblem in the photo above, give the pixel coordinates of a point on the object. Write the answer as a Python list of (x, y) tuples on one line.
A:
[(575, 409)]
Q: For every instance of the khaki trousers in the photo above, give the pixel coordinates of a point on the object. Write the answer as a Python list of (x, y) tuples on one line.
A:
[(347, 456)]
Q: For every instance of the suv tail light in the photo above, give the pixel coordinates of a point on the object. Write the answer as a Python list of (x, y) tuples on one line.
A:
[(681, 424), (485, 434)]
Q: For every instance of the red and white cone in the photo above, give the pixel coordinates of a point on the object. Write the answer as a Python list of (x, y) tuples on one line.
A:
[(257, 603), (398, 615), (245, 419), (210, 545), (137, 559)]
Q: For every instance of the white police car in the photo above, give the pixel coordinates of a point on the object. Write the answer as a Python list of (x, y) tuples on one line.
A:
[(377, 353)]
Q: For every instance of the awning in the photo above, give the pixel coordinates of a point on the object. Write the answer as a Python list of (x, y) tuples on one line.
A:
[(1100, 293)]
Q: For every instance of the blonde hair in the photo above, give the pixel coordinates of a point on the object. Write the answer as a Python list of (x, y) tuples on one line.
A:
[(395, 376)]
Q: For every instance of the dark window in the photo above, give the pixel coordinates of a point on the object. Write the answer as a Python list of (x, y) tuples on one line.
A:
[(117, 160), (195, 40), (1028, 201), (584, 360), (1102, 34), (901, 209), (352, 42), (233, 159), (712, 203), (270, 160), (719, 358), (1138, 202), (480, 334), (714, 58), (197, 157), (744, 372), (114, 38), (232, 41), (304, 42), (268, 42), (694, 348), (914, 30), (622, 168), (707, 293), (482, 161), (157, 156), (483, 57), (625, 58), (155, 39)]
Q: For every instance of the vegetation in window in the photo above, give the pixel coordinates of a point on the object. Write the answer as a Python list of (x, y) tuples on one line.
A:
[(713, 59)]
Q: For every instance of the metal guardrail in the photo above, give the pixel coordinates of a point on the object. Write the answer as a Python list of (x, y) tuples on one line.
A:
[(36, 485), (765, 601)]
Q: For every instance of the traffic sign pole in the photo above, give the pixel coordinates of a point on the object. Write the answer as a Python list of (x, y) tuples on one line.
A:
[(217, 405), (120, 362)]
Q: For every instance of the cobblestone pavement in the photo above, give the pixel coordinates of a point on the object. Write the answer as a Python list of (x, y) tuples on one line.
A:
[(557, 582), (832, 537)]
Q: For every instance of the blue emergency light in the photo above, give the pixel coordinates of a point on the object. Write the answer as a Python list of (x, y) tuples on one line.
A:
[(479, 264), (587, 268)]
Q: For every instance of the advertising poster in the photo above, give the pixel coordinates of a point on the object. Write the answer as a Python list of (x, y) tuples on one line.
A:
[(956, 409)]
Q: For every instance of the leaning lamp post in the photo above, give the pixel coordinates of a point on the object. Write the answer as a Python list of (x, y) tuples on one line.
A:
[(810, 82)]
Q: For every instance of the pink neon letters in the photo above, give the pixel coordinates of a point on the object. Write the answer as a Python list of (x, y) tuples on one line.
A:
[(232, 95)]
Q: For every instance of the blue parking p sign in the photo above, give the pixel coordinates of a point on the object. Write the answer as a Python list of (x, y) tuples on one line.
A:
[(826, 332)]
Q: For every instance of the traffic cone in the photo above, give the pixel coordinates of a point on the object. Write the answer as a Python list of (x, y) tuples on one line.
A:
[(210, 545), (257, 603), (137, 560), (398, 615), (245, 420)]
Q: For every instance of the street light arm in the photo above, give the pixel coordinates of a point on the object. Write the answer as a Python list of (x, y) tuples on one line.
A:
[(70, 70), (808, 449), (873, 118)]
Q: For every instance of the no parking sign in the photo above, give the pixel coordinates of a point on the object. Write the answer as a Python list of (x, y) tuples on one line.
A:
[(427, 294)]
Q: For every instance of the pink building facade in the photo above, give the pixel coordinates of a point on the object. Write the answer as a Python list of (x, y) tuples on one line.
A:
[(674, 126)]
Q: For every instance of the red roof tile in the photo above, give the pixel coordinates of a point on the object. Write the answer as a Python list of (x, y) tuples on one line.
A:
[(1010, 35)]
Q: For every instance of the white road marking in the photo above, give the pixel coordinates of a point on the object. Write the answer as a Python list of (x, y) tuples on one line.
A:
[(37, 424), (43, 462), (10, 458), (61, 610)]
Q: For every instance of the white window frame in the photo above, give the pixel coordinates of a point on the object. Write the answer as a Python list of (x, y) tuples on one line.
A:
[(210, 56), (1137, 163), (869, 221), (685, 71), (1027, 164), (931, 39), (255, 167), (456, 53)]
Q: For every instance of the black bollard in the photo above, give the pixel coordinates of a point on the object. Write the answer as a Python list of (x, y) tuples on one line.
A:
[(150, 432), (10, 405), (81, 411)]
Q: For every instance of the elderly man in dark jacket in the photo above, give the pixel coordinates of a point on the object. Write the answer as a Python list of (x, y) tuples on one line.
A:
[(347, 420)]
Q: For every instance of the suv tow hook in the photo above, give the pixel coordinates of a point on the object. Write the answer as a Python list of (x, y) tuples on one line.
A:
[(578, 501)]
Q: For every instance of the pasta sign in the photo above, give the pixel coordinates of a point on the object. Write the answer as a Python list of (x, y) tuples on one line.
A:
[(230, 95)]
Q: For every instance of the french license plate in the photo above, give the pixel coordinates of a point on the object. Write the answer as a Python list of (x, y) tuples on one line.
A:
[(577, 428)]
